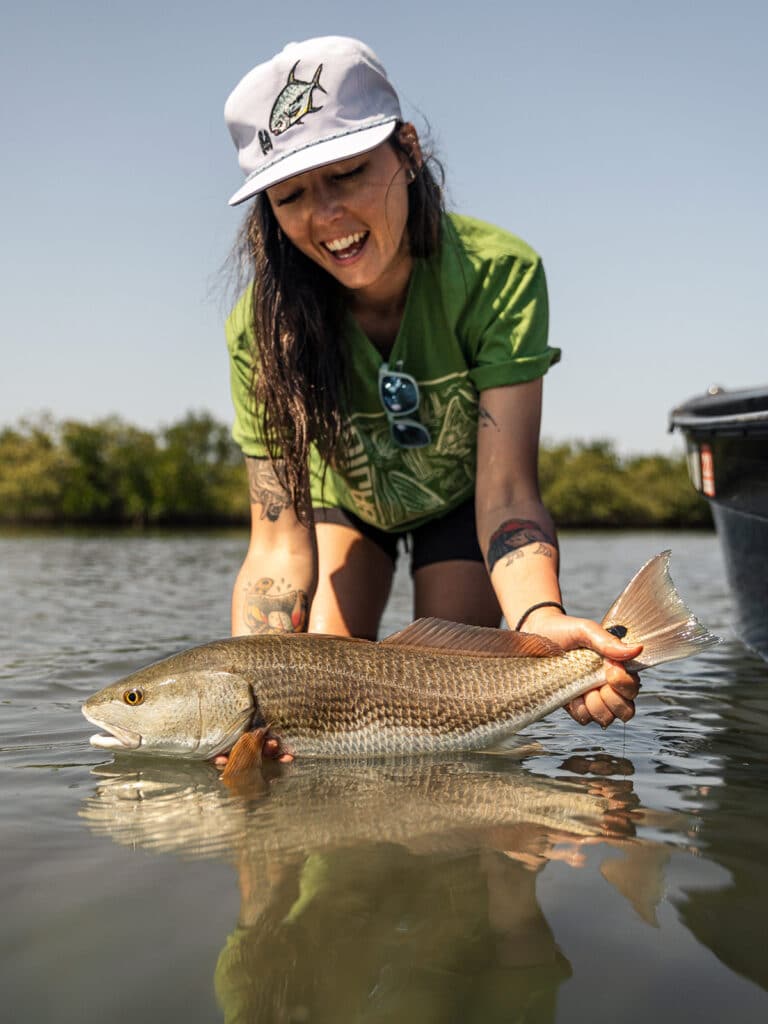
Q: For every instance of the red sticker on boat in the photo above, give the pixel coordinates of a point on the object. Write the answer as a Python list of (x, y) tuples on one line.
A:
[(707, 471)]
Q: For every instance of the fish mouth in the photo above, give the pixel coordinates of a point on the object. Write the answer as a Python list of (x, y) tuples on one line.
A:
[(116, 738)]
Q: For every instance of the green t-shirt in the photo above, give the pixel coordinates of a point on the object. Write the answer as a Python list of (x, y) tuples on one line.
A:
[(476, 317)]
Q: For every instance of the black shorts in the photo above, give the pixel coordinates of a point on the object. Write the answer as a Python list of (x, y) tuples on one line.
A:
[(449, 537)]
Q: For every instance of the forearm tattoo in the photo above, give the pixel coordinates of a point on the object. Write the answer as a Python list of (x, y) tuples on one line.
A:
[(514, 534), (265, 489), (268, 608)]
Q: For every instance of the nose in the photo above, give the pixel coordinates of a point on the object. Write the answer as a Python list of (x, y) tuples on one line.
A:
[(326, 206)]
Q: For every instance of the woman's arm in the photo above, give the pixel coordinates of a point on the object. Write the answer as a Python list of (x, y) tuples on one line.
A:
[(274, 587), (518, 538)]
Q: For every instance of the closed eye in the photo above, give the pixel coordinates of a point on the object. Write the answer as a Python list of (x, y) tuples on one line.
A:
[(290, 198), (346, 175), (342, 176)]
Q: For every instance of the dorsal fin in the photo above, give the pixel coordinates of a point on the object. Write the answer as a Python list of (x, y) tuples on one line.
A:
[(442, 635)]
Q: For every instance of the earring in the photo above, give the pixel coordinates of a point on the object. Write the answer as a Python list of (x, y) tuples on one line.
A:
[(411, 175)]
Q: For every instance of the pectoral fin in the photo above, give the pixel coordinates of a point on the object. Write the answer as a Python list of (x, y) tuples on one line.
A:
[(246, 753)]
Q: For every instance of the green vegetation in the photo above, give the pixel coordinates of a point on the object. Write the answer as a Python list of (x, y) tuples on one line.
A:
[(111, 473), (192, 473), (588, 485)]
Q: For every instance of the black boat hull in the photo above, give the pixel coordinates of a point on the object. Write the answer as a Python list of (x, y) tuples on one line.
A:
[(726, 436), (744, 541)]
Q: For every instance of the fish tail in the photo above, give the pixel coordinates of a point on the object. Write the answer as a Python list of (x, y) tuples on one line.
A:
[(649, 611), (316, 81)]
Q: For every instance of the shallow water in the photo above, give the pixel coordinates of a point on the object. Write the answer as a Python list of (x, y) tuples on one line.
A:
[(593, 875)]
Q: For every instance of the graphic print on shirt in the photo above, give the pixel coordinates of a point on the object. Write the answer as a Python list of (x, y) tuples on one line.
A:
[(392, 486), (294, 101)]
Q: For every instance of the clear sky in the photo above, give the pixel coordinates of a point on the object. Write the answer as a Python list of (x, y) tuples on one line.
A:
[(626, 141)]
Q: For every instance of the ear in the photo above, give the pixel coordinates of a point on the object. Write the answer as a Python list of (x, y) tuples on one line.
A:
[(408, 138)]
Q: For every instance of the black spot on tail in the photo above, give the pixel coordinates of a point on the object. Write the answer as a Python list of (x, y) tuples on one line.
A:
[(619, 631)]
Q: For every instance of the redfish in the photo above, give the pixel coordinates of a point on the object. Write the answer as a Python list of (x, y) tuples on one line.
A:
[(435, 686)]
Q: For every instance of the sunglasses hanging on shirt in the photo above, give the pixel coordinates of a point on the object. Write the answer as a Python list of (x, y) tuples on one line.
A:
[(399, 396)]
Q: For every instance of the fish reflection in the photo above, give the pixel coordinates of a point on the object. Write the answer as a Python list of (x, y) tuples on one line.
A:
[(184, 808), (371, 892)]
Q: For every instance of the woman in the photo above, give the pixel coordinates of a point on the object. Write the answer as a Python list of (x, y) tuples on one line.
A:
[(386, 373)]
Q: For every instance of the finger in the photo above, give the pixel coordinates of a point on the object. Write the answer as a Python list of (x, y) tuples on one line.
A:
[(616, 672), (598, 709), (628, 691), (273, 749), (626, 683), (608, 645), (620, 651), (578, 711), (616, 704), (605, 705)]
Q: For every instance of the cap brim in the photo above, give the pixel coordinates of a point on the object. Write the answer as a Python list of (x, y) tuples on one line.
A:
[(317, 155)]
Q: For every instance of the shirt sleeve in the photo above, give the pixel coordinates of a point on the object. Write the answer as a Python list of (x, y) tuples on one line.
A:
[(246, 428), (508, 324)]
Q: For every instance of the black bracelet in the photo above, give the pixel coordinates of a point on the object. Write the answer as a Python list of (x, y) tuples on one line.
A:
[(535, 607)]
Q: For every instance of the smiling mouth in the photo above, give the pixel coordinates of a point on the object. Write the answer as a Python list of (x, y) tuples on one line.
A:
[(347, 247)]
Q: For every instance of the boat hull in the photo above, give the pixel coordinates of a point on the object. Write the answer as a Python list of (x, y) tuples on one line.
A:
[(744, 541), (726, 436)]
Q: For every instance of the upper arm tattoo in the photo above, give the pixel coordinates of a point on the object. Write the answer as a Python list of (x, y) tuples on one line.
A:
[(514, 534), (485, 419), (265, 488)]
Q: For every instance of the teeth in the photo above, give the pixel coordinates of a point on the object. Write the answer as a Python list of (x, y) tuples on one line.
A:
[(338, 244)]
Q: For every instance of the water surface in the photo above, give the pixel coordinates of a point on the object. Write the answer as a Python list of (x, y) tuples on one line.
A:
[(592, 875)]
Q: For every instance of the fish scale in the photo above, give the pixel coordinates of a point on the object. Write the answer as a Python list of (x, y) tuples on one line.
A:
[(433, 687), (323, 695)]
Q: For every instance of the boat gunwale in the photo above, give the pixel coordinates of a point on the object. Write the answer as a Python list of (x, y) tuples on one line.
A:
[(702, 421)]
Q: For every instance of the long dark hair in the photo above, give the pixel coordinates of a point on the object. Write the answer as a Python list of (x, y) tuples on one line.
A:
[(299, 380)]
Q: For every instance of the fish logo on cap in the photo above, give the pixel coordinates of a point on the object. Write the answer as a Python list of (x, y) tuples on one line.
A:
[(294, 101)]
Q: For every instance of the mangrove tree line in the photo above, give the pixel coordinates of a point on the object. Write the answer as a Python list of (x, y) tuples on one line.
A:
[(109, 472)]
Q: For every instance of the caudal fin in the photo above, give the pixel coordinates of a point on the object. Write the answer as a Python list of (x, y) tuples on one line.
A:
[(653, 614)]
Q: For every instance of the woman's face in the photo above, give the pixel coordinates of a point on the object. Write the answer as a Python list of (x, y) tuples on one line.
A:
[(350, 218)]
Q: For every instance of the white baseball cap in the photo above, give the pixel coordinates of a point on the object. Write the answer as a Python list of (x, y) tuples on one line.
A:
[(316, 102)]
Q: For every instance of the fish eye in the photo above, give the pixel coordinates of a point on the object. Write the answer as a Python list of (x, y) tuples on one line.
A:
[(133, 697)]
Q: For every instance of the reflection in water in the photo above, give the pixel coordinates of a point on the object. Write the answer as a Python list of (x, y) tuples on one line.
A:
[(389, 890), (398, 885), (731, 920)]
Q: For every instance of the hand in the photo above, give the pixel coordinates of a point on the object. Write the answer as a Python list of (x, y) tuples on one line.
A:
[(616, 696)]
